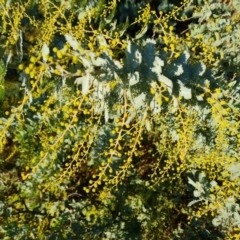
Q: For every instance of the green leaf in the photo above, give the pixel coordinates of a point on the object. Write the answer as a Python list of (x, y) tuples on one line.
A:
[(2, 79), (142, 32)]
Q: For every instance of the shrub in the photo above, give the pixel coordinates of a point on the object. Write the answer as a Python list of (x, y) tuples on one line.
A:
[(113, 133)]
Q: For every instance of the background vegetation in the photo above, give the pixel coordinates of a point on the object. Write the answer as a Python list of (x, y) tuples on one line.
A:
[(119, 119)]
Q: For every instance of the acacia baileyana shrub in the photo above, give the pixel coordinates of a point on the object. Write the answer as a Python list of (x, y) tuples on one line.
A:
[(111, 137)]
